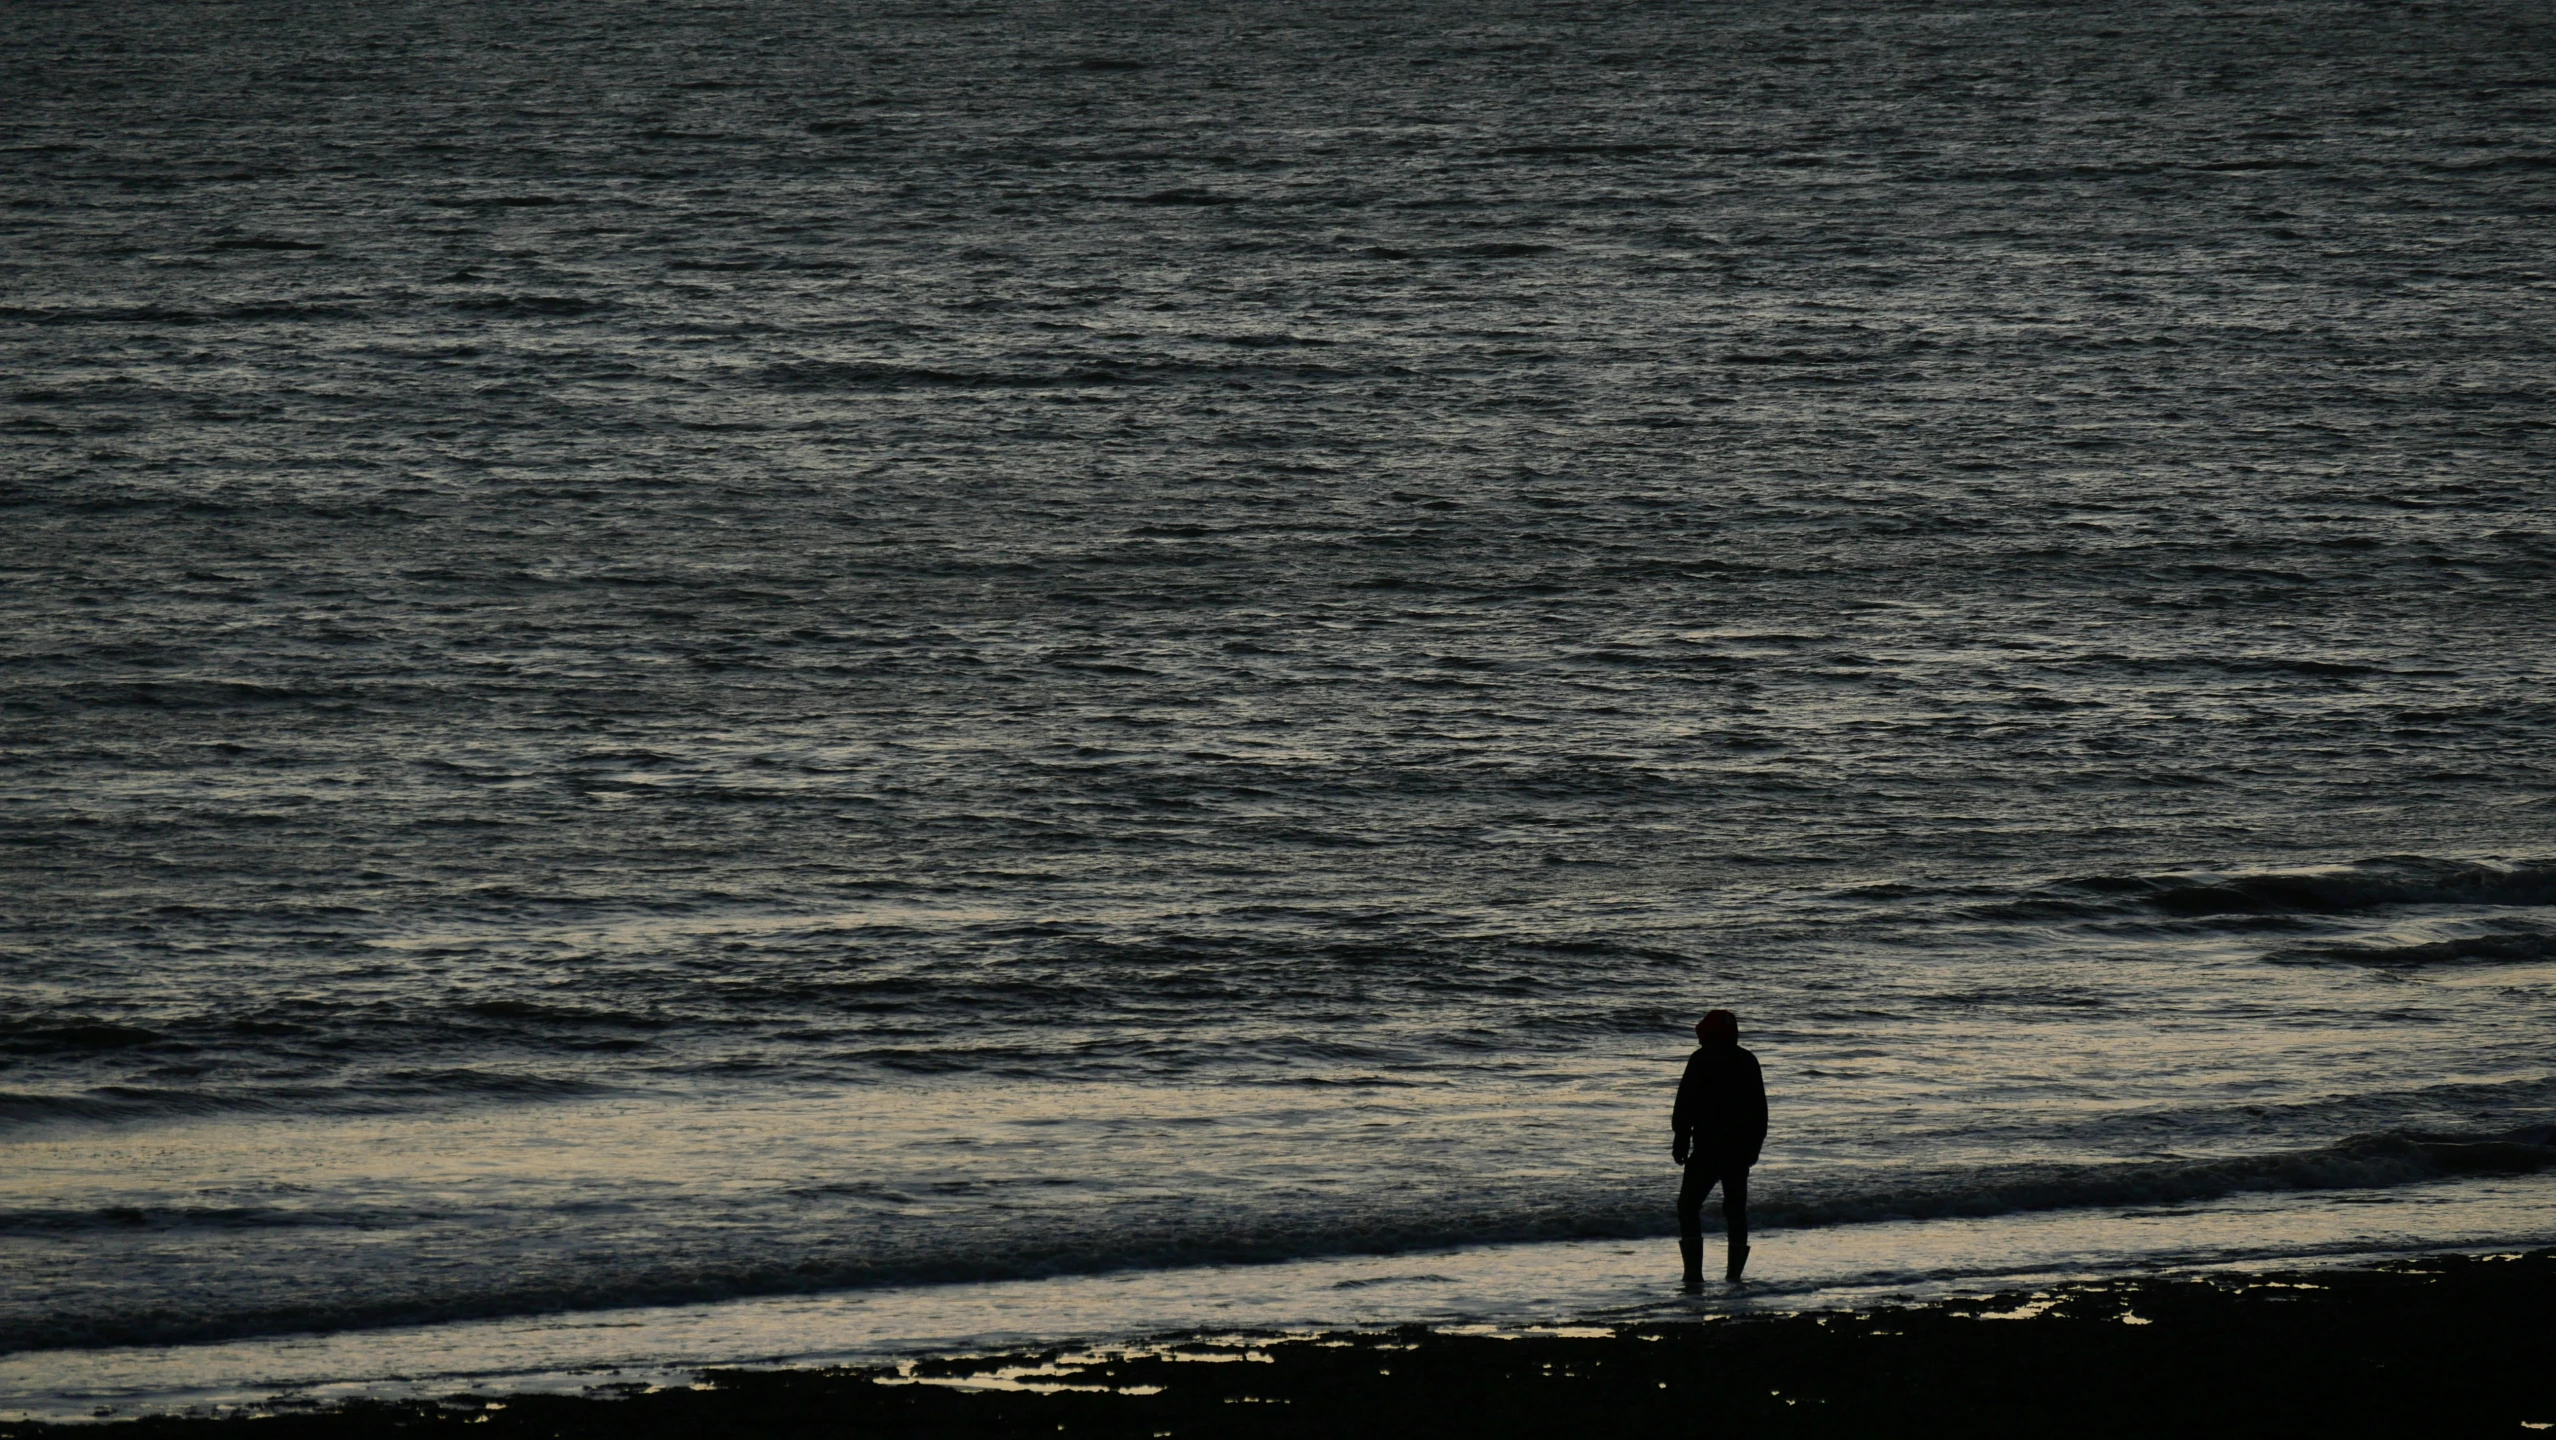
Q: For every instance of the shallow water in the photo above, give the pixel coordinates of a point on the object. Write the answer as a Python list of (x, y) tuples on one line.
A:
[(1588, 1285), (661, 655)]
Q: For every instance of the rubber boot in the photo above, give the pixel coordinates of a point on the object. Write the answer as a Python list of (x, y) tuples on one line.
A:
[(1739, 1262), (1693, 1251)]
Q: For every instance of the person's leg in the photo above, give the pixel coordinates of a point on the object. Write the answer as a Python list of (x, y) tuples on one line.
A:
[(1691, 1191), (1735, 1217)]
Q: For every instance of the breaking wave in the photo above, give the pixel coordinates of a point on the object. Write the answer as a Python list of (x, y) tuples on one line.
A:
[(2359, 1163)]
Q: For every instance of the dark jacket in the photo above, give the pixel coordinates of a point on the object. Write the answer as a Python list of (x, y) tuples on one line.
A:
[(1721, 1104)]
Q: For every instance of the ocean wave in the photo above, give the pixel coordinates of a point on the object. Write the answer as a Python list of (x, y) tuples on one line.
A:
[(2341, 890), (104, 315), (188, 693), (396, 1091), (527, 305), (461, 1081), (115, 1103), (865, 376), (2507, 948), (72, 1035), (2364, 1162), (61, 1221)]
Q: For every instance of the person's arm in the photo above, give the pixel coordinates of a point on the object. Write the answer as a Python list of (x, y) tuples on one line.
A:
[(1682, 1118), (1756, 1100)]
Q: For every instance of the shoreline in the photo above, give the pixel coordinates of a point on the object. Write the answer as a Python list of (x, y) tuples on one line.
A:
[(2452, 1344)]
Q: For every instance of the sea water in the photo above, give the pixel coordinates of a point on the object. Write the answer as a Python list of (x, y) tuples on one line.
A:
[(810, 679)]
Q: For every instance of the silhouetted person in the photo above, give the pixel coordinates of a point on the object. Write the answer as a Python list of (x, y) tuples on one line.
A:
[(1720, 1122)]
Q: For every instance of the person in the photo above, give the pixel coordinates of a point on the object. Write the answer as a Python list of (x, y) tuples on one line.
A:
[(1720, 1126)]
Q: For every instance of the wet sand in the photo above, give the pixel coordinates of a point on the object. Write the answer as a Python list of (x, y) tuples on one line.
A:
[(2440, 1346)]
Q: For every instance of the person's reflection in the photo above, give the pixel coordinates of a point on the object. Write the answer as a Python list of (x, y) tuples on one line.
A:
[(1720, 1125)]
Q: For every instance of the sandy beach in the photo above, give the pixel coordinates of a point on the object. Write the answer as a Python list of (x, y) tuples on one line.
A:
[(2448, 1345)]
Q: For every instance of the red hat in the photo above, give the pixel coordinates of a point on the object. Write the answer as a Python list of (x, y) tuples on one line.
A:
[(1718, 1027)]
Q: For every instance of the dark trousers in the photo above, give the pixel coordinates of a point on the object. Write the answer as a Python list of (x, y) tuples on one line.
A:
[(1702, 1174)]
